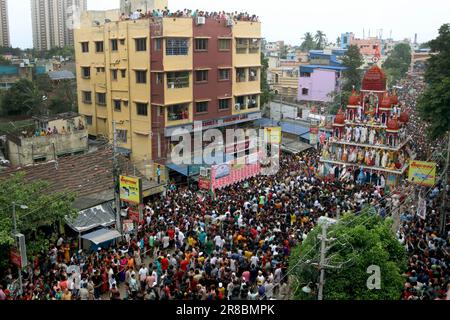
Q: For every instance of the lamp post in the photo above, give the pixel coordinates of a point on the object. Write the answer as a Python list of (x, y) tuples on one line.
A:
[(24, 207)]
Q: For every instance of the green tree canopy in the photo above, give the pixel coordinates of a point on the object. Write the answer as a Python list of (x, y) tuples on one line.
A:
[(266, 95), (23, 98), (308, 42), (44, 209), (398, 62), (434, 104), (361, 241), (321, 40), (353, 61)]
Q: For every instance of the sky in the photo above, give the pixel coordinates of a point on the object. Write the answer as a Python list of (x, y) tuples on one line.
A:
[(289, 20)]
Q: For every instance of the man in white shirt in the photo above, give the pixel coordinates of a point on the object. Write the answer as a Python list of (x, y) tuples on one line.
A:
[(143, 273)]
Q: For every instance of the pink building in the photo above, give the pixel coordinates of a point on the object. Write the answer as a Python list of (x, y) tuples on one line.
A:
[(316, 82), (367, 46)]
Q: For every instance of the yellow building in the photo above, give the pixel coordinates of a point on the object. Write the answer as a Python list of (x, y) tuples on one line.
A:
[(151, 76)]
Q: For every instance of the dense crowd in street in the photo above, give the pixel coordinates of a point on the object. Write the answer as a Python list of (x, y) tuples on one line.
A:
[(237, 244)]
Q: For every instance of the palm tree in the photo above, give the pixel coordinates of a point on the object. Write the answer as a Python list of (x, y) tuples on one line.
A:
[(308, 42), (321, 40)]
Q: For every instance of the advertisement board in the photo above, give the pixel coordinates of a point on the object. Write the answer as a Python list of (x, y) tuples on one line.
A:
[(204, 183), (273, 135), (422, 173), (15, 258), (128, 226), (131, 189)]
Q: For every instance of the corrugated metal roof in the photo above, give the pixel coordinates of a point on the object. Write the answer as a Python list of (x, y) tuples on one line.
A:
[(61, 75), (102, 235)]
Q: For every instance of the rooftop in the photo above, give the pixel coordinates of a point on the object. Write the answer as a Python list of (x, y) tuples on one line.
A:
[(61, 75), (89, 176), (311, 67)]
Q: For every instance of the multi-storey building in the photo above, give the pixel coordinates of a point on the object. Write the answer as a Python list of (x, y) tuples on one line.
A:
[(152, 76), (54, 21), (4, 24)]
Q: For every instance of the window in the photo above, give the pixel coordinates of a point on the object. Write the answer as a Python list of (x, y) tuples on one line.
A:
[(85, 47), (252, 102), (254, 46), (160, 78), (125, 103), (201, 76), (252, 74), (88, 120), (100, 69), (224, 104), (305, 91), (122, 41), (114, 74), (201, 107), (240, 103), (98, 46), (224, 74), (87, 97), (305, 75), (141, 44), (178, 112), (117, 105), (40, 160), (224, 44), (201, 44), (158, 44), (101, 99), (86, 72), (141, 76), (114, 45), (122, 135), (177, 47), (142, 109), (177, 80), (124, 73), (241, 45), (240, 75)]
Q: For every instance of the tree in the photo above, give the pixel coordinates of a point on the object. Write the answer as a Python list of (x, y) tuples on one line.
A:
[(266, 95), (23, 98), (321, 40), (434, 104), (284, 52), (44, 210), (308, 42), (362, 241), (353, 61), (398, 62)]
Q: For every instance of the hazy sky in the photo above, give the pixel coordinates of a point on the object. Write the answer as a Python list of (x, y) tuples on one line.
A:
[(289, 19)]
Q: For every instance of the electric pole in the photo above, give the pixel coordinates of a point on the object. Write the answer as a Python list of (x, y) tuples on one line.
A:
[(116, 180), (444, 196), (323, 249)]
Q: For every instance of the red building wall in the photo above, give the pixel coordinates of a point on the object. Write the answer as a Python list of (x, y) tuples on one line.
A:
[(212, 59)]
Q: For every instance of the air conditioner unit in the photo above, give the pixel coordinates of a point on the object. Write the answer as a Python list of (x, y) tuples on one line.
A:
[(237, 106), (201, 20), (230, 23)]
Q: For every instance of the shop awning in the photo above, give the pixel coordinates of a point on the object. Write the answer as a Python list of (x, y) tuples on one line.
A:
[(99, 216), (101, 236)]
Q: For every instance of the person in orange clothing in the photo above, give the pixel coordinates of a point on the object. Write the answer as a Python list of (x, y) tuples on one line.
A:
[(67, 253)]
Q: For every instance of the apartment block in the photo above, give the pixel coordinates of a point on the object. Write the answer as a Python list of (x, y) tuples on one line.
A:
[(4, 24), (152, 76)]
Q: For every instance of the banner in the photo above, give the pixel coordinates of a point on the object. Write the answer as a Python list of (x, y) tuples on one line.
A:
[(422, 208), (128, 226), (204, 183), (273, 135), (422, 173), (131, 189), (15, 258)]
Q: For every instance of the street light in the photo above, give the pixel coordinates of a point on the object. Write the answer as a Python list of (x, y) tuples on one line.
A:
[(23, 207)]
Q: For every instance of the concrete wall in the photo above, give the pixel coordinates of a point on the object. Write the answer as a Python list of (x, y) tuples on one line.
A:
[(320, 84), (42, 147)]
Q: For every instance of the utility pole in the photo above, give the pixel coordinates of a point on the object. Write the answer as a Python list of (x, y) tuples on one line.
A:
[(116, 180), (444, 196), (323, 249), (18, 245)]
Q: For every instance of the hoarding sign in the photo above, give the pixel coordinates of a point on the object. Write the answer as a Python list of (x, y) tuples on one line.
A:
[(128, 226), (422, 173), (204, 183), (131, 189), (14, 256)]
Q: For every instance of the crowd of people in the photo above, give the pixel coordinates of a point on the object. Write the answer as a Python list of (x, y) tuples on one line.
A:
[(187, 13), (235, 245)]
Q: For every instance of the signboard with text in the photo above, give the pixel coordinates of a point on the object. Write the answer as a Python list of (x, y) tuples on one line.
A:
[(422, 173), (131, 189)]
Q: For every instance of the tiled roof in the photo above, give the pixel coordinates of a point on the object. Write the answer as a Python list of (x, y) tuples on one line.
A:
[(89, 175)]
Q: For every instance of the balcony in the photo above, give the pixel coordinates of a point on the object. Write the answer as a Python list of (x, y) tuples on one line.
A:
[(178, 114)]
